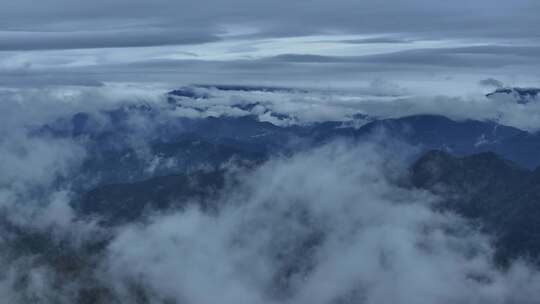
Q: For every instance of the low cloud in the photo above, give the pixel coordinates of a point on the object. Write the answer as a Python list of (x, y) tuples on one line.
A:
[(377, 99), (491, 82), (321, 227)]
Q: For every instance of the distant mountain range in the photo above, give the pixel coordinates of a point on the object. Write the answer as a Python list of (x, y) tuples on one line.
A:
[(499, 197), (142, 162), (177, 144), (485, 171), (520, 95)]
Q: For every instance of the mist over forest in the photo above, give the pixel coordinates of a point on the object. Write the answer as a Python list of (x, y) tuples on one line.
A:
[(269, 152)]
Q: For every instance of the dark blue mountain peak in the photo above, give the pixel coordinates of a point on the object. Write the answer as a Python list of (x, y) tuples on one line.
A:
[(249, 88), (189, 92)]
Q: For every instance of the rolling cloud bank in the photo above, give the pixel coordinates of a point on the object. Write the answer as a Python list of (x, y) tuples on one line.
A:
[(298, 208)]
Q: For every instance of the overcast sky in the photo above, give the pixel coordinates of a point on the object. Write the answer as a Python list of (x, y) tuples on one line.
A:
[(428, 45)]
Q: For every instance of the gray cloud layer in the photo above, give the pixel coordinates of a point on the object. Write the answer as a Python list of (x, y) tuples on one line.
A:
[(283, 18), (27, 40), (489, 56), (412, 39)]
